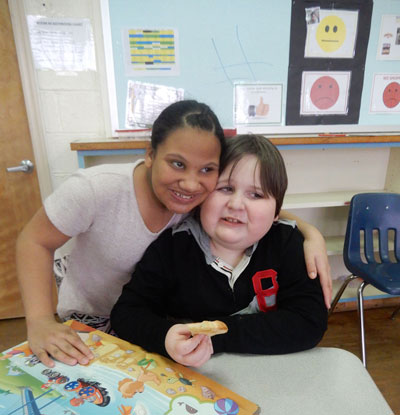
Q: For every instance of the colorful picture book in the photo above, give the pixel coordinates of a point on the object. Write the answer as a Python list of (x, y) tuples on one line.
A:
[(122, 379)]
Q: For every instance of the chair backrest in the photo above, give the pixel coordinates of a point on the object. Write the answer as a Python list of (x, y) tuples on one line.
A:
[(372, 214)]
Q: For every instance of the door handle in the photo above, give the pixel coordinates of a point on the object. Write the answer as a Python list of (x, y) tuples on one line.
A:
[(26, 166)]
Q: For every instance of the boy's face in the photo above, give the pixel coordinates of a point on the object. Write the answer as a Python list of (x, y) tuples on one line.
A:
[(238, 213)]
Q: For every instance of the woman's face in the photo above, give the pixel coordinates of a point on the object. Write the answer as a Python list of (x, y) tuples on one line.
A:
[(184, 168)]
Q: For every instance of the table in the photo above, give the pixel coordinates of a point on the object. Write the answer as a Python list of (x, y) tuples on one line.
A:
[(318, 381)]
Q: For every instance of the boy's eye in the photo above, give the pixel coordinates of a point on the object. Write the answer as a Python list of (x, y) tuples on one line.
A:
[(255, 195), (178, 164)]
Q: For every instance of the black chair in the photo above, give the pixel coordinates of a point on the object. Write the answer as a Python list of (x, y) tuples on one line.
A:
[(372, 248)]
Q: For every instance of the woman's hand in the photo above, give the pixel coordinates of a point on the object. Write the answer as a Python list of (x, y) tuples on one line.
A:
[(35, 256), (187, 350), (317, 264), (315, 254), (48, 338)]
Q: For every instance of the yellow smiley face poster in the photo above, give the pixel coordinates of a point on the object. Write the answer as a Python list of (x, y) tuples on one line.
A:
[(332, 35)]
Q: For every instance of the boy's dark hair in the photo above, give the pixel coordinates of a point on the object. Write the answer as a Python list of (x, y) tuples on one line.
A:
[(273, 174), (186, 113)]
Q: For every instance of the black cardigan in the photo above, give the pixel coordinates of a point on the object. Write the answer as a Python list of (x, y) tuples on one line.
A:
[(173, 284)]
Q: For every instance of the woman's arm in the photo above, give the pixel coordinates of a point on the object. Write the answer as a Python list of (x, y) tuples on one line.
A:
[(315, 254), (35, 255)]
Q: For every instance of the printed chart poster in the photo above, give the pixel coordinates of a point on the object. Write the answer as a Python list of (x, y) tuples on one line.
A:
[(331, 33), (145, 101), (61, 44), (385, 96), (324, 93), (389, 38), (258, 103), (151, 52)]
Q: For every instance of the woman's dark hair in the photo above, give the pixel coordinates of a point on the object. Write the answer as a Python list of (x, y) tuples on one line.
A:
[(273, 175), (186, 113)]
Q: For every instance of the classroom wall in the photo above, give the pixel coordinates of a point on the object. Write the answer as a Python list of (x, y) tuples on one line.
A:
[(75, 106), (220, 43)]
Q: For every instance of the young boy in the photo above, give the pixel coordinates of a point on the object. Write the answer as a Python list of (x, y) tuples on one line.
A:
[(239, 266)]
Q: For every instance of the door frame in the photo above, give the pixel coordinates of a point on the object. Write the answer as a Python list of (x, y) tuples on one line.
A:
[(31, 96)]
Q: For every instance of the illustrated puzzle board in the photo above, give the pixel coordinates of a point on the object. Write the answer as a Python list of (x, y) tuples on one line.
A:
[(122, 379)]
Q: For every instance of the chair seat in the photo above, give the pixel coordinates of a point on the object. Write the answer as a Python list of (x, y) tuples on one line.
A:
[(384, 276)]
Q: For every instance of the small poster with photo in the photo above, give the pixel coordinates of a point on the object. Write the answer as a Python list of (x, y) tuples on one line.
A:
[(389, 38), (257, 103), (145, 101)]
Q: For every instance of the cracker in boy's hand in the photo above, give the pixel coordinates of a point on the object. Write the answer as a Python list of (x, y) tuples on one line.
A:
[(210, 328)]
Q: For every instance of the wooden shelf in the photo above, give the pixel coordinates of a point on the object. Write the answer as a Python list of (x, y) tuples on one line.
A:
[(328, 199), (109, 144), (334, 245), (346, 139), (113, 143)]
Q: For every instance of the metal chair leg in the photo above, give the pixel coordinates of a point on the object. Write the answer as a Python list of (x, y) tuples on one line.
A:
[(395, 312), (340, 292), (360, 303)]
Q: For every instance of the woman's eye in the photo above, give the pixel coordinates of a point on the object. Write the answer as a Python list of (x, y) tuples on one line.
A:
[(207, 169), (178, 164), (255, 195)]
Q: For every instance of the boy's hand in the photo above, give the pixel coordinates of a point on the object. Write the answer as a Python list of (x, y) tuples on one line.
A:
[(48, 338), (187, 350)]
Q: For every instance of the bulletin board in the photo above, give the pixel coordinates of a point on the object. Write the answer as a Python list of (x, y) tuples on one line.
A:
[(222, 46)]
